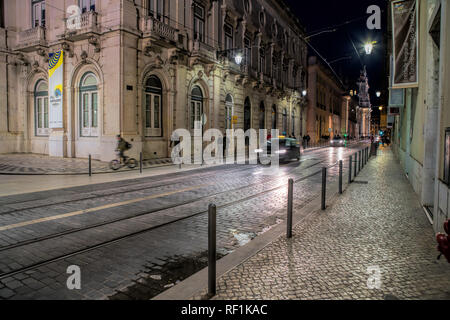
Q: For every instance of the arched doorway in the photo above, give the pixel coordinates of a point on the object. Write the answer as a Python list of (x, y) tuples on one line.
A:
[(41, 108), (229, 110), (196, 107), (247, 114), (293, 120), (89, 105), (274, 117), (153, 107), (285, 122), (262, 116)]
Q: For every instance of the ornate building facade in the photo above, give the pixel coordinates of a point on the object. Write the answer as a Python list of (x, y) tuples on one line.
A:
[(144, 68), (327, 107)]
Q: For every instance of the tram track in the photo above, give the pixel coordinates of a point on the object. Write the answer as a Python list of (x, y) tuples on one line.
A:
[(139, 232), (234, 170)]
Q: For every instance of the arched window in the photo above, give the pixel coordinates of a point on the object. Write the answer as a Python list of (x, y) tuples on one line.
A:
[(285, 122), (153, 107), (196, 107), (89, 105), (41, 108), (274, 117), (247, 114), (229, 106), (262, 116)]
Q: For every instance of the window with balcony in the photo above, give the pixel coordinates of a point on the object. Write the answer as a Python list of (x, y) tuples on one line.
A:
[(199, 22), (89, 105), (228, 30), (275, 71), (41, 108), (262, 60), (156, 8), (38, 13), (248, 51), (86, 5), (153, 107)]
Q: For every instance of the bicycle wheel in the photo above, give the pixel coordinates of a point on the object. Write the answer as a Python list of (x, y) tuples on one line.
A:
[(132, 163), (115, 165)]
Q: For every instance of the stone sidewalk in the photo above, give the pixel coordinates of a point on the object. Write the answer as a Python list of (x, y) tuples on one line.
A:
[(31, 164), (379, 226)]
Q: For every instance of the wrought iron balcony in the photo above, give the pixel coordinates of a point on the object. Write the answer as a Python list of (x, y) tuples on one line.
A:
[(31, 39), (159, 31)]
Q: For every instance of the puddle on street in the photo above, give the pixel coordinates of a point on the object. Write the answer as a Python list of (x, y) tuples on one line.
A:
[(158, 281)]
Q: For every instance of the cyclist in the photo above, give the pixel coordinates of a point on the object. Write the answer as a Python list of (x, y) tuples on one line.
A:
[(122, 146)]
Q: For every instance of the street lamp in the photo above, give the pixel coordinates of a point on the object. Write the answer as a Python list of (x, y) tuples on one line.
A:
[(368, 47), (378, 94), (381, 108), (304, 93), (238, 59)]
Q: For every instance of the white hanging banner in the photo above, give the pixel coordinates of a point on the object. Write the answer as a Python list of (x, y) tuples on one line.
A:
[(55, 89)]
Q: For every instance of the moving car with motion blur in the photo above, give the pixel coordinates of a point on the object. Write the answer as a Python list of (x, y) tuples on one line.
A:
[(289, 149), (337, 141)]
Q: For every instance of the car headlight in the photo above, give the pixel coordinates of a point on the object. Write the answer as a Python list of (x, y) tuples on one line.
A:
[(341, 141), (281, 152)]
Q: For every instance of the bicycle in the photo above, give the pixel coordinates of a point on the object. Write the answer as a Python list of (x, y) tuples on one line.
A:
[(116, 164)]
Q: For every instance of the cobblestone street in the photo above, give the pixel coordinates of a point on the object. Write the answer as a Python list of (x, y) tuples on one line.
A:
[(31, 164), (378, 225), (133, 239)]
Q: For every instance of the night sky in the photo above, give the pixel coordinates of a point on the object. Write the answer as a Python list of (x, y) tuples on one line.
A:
[(326, 14)]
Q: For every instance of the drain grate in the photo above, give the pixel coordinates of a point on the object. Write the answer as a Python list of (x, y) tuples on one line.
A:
[(361, 182)]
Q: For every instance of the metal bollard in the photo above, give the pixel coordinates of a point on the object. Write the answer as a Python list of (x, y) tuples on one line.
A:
[(359, 161), (289, 208), (362, 159), (90, 166), (350, 169), (356, 166), (341, 171), (212, 250), (324, 188), (141, 162)]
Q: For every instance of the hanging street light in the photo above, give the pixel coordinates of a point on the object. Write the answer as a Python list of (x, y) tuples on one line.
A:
[(368, 47), (238, 59)]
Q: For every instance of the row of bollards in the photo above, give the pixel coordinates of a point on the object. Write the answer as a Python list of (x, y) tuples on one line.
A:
[(364, 156)]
